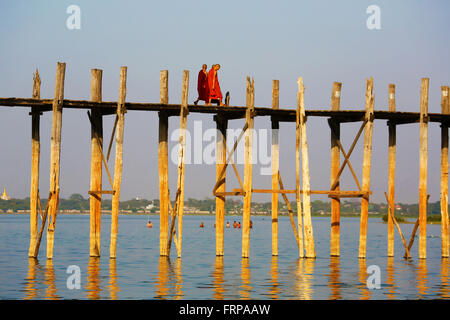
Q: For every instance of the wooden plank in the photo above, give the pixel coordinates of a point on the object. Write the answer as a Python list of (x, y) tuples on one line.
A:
[(423, 159), (335, 158), (181, 158), (248, 168), (118, 164), (95, 202), (394, 221), (55, 155), (391, 172), (275, 165), (413, 233), (367, 157), (445, 108), (163, 166), (283, 115), (35, 158), (310, 251), (221, 154), (347, 156), (291, 214)]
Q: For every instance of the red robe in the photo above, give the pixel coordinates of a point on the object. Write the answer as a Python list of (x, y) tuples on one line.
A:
[(214, 93), (202, 86)]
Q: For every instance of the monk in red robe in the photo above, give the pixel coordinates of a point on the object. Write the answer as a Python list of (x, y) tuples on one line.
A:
[(202, 85), (215, 95)]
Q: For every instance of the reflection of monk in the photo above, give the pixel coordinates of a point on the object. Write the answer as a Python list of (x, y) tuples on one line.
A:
[(202, 85), (215, 95)]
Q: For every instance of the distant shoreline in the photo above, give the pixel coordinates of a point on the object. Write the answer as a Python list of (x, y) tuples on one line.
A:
[(376, 215)]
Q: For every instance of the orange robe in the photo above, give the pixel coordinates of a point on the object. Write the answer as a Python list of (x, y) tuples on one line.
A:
[(214, 92), (202, 86)]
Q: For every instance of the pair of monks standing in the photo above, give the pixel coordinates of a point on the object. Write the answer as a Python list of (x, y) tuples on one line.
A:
[(208, 86)]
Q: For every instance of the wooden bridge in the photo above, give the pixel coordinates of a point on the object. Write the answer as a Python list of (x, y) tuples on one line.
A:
[(171, 218)]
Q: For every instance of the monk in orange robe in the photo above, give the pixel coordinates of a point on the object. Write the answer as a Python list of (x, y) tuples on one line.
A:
[(202, 85), (215, 95)]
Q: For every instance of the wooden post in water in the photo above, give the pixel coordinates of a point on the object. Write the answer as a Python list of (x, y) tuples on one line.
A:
[(95, 200), (182, 156), (392, 151), (221, 145), (301, 250), (310, 251), (445, 107), (35, 157), (275, 165), (163, 165), (248, 167), (423, 168), (335, 158), (55, 155), (367, 157), (118, 164)]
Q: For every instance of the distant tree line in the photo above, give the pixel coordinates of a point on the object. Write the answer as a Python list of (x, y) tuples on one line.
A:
[(232, 205)]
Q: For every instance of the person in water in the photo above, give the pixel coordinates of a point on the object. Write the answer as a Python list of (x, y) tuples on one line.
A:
[(251, 224), (228, 224), (215, 95), (149, 224), (202, 85), (234, 224), (239, 225), (202, 225)]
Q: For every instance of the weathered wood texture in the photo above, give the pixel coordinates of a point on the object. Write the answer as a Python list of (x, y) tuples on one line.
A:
[(445, 107), (95, 200), (55, 155), (118, 164), (35, 158), (310, 251), (423, 159), (367, 157), (163, 166), (391, 172), (335, 158), (182, 157), (248, 167), (221, 154), (275, 166)]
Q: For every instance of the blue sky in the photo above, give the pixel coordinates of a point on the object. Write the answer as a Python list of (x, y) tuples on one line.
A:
[(322, 41)]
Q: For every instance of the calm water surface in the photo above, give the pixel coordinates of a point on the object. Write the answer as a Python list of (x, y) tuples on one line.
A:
[(139, 272)]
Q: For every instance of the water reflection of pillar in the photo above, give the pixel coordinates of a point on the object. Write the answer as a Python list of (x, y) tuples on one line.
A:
[(246, 287), (51, 291), (362, 274), (390, 278), (93, 279), (30, 290), (445, 285), (178, 280), (333, 278), (305, 275), (274, 290), (218, 281), (161, 285), (113, 287), (422, 274)]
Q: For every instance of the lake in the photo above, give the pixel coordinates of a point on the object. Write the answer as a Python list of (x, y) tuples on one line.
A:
[(140, 273)]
